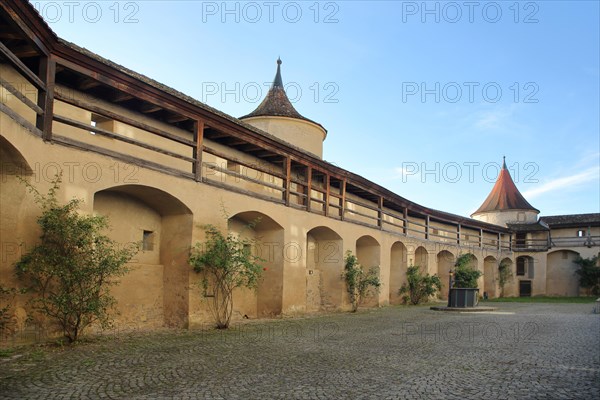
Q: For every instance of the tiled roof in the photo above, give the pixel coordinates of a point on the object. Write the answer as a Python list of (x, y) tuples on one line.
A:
[(558, 221), (276, 103), (528, 227), (505, 196)]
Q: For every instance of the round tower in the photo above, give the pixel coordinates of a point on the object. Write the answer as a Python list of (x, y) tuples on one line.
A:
[(277, 116), (505, 204)]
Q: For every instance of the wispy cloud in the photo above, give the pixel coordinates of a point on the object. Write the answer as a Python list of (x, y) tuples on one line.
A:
[(495, 119), (565, 182)]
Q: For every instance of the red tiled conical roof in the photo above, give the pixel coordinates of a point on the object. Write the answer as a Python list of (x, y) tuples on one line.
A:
[(505, 195)]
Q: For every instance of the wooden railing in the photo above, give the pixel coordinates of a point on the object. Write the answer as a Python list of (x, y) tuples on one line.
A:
[(317, 189)]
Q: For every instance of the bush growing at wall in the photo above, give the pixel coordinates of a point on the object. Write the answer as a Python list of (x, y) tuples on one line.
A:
[(6, 298), (74, 264), (358, 282), (226, 262), (419, 286), (589, 274), (464, 275)]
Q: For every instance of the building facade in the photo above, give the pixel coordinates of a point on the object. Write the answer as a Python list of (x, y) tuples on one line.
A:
[(161, 165)]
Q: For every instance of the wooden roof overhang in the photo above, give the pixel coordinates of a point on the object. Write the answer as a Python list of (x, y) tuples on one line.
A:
[(27, 36)]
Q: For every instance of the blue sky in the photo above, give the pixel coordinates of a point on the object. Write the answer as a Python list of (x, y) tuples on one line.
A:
[(422, 98)]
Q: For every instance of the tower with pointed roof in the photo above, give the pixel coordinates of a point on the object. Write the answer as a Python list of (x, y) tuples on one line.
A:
[(505, 204), (277, 116)]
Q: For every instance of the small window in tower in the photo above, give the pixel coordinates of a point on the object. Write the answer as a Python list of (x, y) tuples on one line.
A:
[(435, 232), (148, 241), (580, 233)]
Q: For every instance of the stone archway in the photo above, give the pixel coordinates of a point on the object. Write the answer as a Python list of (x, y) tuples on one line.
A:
[(269, 245), (561, 278), (368, 253), (422, 258), (398, 266), (155, 291), (324, 265), (490, 276), (445, 262)]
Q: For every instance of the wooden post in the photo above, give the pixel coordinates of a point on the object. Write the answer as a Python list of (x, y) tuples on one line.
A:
[(380, 212), (427, 227), (327, 188), (308, 187), (197, 153), (405, 216), (288, 180), (45, 98), (343, 208), (480, 237), (458, 234)]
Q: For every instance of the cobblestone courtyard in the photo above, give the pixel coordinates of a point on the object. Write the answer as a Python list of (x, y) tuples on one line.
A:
[(522, 351)]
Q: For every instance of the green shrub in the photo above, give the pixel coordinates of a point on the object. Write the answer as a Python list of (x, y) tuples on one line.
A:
[(358, 282), (74, 264), (464, 275), (589, 273), (419, 286), (227, 263)]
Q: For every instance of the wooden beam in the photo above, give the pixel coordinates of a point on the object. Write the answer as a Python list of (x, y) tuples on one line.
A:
[(27, 20), (176, 118), (20, 67), (112, 135), (46, 97), (480, 237), (86, 84), (120, 156), (327, 189), (308, 188), (21, 96), (380, 212), (148, 108), (4, 34), (197, 153), (20, 120), (121, 97), (119, 117), (405, 216), (288, 179), (458, 234), (427, 227), (343, 200), (25, 52)]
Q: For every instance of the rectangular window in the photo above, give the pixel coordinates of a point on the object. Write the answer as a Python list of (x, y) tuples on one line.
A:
[(148, 241), (580, 233), (520, 267)]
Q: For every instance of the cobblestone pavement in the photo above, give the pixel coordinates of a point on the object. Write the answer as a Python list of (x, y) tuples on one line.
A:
[(522, 351)]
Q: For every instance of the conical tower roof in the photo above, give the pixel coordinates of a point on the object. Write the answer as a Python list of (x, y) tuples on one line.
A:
[(276, 103), (504, 195)]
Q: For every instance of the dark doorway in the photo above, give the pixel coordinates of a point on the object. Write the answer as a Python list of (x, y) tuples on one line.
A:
[(525, 288)]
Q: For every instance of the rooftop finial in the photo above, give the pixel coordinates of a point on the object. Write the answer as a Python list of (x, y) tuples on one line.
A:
[(278, 82), (504, 162)]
